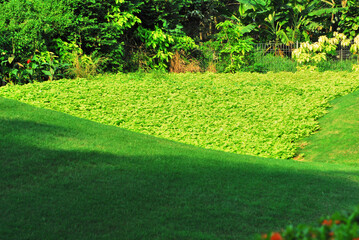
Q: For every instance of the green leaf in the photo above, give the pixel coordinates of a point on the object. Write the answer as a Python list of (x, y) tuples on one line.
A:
[(14, 71), (47, 73), (29, 71), (325, 11), (11, 59)]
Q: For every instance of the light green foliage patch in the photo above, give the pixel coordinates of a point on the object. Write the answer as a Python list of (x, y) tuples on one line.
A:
[(244, 113)]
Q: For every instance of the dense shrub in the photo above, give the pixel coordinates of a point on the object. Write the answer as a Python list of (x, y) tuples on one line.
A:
[(26, 26), (118, 35), (27, 30), (229, 50), (108, 35), (273, 63), (336, 65), (99, 28)]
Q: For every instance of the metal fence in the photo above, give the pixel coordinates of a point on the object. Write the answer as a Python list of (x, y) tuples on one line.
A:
[(285, 50)]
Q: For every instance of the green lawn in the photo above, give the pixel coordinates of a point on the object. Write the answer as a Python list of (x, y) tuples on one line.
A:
[(338, 139), (62, 177)]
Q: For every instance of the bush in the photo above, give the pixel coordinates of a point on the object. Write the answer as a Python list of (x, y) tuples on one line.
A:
[(30, 28), (27, 30), (336, 65), (340, 226), (316, 53), (41, 66), (273, 63), (232, 47), (98, 29), (27, 26)]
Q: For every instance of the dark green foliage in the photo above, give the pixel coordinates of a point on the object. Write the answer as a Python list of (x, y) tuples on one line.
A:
[(336, 65), (256, 67), (349, 20), (27, 31), (232, 48), (118, 35), (26, 26), (103, 27), (160, 46), (229, 50), (273, 63)]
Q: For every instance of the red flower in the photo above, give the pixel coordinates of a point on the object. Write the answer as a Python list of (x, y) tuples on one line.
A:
[(28, 61), (276, 236), (356, 238), (337, 222), (327, 222)]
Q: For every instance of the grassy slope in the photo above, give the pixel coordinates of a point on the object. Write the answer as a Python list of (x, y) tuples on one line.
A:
[(67, 178), (338, 139)]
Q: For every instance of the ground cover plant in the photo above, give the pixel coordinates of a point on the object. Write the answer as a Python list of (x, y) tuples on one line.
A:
[(62, 177), (256, 114), (338, 139)]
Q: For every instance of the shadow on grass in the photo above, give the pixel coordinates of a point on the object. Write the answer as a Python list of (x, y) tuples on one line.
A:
[(55, 187)]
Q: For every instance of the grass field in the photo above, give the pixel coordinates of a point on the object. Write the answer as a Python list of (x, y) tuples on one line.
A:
[(257, 114), (68, 178), (338, 139), (63, 177)]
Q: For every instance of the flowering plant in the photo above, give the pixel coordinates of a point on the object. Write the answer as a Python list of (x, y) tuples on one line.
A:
[(316, 52), (355, 50), (340, 226), (41, 66)]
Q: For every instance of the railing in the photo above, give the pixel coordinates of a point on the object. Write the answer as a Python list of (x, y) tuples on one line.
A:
[(285, 50)]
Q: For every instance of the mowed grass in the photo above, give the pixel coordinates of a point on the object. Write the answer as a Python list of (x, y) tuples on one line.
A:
[(62, 177), (337, 141), (257, 114)]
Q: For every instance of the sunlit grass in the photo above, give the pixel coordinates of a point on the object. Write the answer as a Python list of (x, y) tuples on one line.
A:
[(337, 141)]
